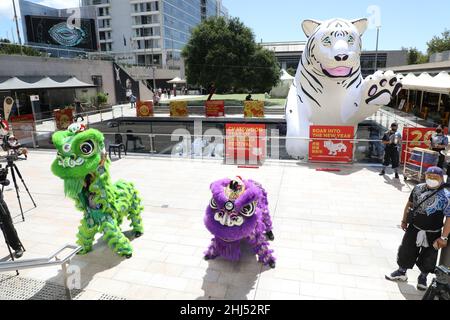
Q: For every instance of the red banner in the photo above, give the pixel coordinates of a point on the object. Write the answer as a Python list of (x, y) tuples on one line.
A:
[(215, 108), (331, 144), (245, 143), (417, 138), (63, 118), (144, 109)]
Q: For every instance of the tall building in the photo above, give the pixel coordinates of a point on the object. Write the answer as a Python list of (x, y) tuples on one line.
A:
[(150, 32)]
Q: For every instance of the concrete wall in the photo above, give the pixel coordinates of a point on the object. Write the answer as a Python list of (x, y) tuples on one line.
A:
[(396, 58), (17, 66)]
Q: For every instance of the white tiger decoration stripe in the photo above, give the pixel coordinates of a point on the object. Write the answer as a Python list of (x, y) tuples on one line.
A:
[(329, 88)]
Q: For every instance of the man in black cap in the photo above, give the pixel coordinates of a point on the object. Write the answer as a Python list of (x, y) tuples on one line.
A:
[(392, 142), (425, 231)]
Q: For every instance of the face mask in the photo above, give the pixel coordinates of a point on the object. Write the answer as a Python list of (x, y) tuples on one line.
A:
[(433, 184)]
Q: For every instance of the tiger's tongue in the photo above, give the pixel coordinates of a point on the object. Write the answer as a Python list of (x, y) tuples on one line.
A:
[(339, 71)]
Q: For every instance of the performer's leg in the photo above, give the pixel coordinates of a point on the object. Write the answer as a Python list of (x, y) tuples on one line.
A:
[(116, 239), (212, 251), (261, 248), (86, 237)]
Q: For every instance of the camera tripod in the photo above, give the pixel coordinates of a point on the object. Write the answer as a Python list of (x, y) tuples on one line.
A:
[(15, 170), (5, 235)]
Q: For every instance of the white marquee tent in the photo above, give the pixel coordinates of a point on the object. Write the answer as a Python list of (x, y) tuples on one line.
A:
[(44, 83)]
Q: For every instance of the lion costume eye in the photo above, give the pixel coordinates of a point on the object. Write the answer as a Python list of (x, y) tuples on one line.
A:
[(249, 209), (87, 148), (213, 204)]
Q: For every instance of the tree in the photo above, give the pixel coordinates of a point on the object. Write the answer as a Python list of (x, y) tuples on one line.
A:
[(291, 71), (439, 44), (416, 57), (6, 47), (224, 52)]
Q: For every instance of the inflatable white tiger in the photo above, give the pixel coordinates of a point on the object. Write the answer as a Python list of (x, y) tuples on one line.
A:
[(329, 88)]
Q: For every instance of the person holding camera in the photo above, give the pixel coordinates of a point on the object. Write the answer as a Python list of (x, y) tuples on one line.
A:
[(425, 231), (439, 143), (392, 142)]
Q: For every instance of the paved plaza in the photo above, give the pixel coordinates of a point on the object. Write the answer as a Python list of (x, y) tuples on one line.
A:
[(336, 233)]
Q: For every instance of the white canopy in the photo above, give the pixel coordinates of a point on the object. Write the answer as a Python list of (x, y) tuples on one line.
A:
[(45, 83), (176, 80), (425, 82), (285, 76)]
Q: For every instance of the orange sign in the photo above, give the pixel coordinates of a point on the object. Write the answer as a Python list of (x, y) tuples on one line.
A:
[(179, 109), (417, 138), (254, 109), (144, 109), (215, 108), (245, 143), (331, 144), (63, 118)]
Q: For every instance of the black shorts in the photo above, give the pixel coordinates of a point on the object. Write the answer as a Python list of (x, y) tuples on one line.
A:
[(391, 156)]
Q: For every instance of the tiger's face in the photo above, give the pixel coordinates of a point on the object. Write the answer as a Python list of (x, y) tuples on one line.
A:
[(334, 46)]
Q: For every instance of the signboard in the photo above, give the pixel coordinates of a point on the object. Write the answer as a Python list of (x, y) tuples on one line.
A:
[(417, 138), (245, 143), (8, 104), (179, 109), (215, 108), (144, 109), (23, 128), (63, 118), (57, 31), (254, 109), (330, 144)]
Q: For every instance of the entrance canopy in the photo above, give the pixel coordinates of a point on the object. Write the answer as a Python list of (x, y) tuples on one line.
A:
[(438, 84), (177, 80), (44, 83)]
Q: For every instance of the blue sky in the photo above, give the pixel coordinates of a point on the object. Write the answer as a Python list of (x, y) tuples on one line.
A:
[(405, 23)]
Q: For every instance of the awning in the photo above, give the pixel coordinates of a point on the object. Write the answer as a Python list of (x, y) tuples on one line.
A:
[(45, 83), (176, 81), (285, 76), (425, 82)]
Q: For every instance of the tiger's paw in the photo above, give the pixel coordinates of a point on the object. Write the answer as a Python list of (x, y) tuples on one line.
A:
[(381, 87)]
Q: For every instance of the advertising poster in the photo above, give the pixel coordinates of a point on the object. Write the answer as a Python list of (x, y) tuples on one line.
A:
[(330, 144), (215, 108), (254, 109), (179, 109), (23, 128), (245, 143), (417, 138), (63, 118), (124, 85), (57, 31), (144, 109)]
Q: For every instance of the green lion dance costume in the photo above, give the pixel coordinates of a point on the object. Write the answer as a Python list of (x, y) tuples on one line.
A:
[(84, 166)]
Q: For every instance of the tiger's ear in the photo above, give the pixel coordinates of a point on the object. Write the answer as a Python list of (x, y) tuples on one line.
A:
[(361, 25), (309, 26)]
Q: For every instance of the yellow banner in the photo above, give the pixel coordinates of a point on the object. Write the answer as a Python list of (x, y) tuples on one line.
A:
[(179, 109), (254, 109)]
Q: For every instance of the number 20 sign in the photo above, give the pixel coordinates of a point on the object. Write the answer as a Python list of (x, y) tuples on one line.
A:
[(417, 138)]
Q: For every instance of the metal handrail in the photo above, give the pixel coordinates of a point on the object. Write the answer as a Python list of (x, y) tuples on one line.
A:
[(49, 261)]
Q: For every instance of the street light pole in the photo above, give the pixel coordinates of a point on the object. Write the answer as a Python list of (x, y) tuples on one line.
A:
[(17, 26), (376, 50)]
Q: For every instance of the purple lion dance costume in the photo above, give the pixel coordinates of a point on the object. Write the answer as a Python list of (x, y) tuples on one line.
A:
[(239, 211)]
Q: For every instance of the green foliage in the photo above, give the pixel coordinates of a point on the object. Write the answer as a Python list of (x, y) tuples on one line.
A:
[(224, 52), (13, 49), (102, 98), (416, 57), (291, 71), (439, 44)]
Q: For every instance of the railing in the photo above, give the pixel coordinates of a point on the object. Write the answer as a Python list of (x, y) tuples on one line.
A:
[(56, 259)]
